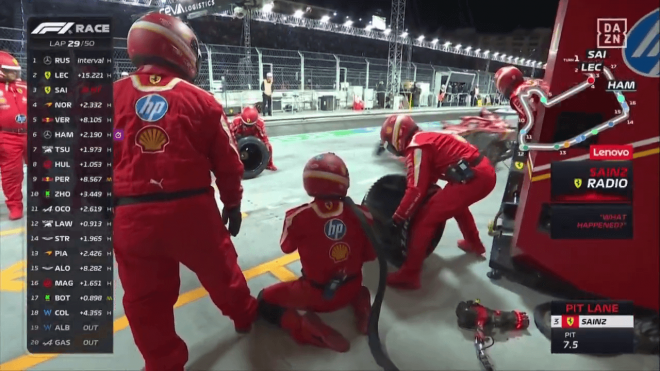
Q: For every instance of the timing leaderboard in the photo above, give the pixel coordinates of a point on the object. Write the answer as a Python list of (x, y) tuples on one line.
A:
[(70, 113)]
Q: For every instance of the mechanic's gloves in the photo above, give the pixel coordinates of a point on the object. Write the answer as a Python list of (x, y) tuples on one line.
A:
[(380, 149), (234, 218)]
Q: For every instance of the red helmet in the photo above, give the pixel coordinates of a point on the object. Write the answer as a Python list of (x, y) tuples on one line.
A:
[(326, 176), (250, 115), (8, 64), (163, 40), (396, 133), (507, 79)]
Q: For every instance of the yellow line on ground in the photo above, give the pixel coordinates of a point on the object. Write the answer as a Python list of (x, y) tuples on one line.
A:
[(27, 361), (12, 231), (283, 274)]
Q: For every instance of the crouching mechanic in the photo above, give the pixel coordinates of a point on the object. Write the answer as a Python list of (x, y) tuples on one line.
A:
[(165, 211), (13, 133), (248, 123), (431, 156), (511, 83), (333, 247)]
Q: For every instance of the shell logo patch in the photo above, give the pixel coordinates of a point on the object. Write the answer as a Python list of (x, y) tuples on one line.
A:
[(339, 252), (249, 121), (388, 130), (152, 139), (15, 61), (154, 79), (19, 90)]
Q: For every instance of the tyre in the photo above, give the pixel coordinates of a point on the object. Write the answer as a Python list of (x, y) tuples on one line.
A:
[(254, 155), (495, 152), (382, 200)]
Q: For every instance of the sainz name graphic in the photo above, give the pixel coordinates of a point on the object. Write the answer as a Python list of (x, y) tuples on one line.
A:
[(592, 181)]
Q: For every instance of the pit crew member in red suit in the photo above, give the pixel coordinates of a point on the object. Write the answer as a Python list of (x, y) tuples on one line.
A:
[(430, 156), (511, 83), (332, 247), (165, 210), (248, 123), (13, 133)]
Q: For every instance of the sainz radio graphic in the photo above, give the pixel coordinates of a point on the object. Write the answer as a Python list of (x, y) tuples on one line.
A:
[(592, 181)]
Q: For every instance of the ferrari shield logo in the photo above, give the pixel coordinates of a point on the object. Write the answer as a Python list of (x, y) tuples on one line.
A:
[(519, 165), (47, 74), (47, 89), (154, 79), (570, 321), (577, 182)]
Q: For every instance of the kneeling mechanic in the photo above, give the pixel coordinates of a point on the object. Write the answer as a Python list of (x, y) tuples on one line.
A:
[(332, 247)]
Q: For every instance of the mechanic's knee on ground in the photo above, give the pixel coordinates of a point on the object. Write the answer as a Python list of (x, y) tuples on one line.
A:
[(272, 313)]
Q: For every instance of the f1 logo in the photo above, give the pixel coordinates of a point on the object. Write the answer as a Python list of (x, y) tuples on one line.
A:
[(58, 27)]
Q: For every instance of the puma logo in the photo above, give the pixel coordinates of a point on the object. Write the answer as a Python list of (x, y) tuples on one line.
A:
[(158, 183)]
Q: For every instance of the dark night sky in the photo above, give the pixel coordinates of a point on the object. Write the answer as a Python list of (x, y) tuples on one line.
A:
[(427, 16)]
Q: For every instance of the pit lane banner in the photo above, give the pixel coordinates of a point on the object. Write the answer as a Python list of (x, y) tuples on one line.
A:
[(183, 10), (592, 327), (591, 181), (591, 221)]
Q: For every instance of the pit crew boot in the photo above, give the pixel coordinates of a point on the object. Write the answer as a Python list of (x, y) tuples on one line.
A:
[(362, 307), (310, 329), (476, 248), (15, 213), (405, 279), (244, 326), (271, 167)]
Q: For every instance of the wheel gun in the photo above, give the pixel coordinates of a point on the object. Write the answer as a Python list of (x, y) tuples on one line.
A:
[(474, 316)]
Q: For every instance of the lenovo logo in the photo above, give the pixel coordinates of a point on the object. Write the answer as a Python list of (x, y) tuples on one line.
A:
[(611, 152), (61, 28)]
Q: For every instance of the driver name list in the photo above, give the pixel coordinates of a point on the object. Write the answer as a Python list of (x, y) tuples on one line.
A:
[(70, 294)]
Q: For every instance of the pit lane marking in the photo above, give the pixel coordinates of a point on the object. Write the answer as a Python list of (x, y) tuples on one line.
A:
[(9, 232), (284, 274), (276, 267)]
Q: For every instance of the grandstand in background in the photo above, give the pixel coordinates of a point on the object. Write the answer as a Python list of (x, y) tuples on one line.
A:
[(228, 31)]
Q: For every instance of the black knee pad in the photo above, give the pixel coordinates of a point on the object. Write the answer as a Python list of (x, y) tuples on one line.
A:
[(270, 312)]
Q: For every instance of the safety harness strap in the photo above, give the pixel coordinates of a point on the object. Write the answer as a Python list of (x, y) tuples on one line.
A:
[(159, 197)]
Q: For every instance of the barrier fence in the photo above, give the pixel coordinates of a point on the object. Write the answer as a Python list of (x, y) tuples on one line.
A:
[(239, 68)]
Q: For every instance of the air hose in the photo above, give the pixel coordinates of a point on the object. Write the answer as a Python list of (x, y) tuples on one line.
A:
[(375, 345)]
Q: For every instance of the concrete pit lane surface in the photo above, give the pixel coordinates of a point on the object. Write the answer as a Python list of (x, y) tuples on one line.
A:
[(419, 328)]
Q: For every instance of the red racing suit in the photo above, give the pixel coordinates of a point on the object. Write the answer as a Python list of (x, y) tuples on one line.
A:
[(331, 244), (515, 99), (13, 143), (175, 135), (258, 129), (428, 156)]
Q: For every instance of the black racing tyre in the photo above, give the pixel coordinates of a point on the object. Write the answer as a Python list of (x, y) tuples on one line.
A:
[(495, 152), (382, 199), (254, 155)]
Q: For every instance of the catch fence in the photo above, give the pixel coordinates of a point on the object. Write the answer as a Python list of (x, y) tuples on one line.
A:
[(238, 68)]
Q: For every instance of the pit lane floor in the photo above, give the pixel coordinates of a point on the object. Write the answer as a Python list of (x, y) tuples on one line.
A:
[(419, 328)]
